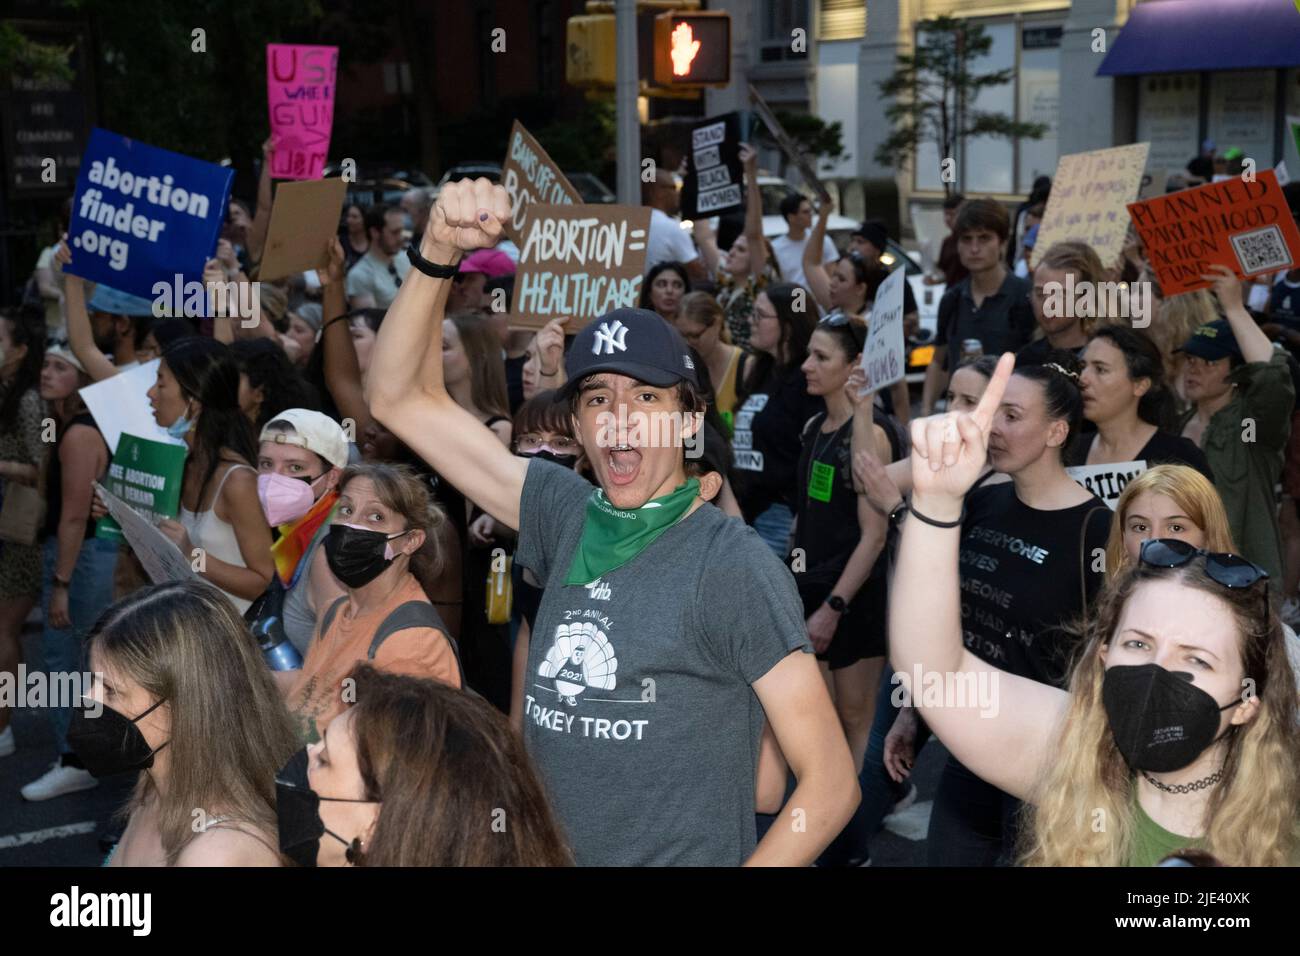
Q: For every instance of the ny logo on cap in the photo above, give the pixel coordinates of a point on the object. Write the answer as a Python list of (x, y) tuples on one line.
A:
[(610, 337)]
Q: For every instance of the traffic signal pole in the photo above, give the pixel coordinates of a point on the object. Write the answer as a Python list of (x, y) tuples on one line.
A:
[(625, 94)]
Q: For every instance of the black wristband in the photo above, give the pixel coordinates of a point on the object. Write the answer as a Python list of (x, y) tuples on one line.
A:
[(433, 270), (940, 524)]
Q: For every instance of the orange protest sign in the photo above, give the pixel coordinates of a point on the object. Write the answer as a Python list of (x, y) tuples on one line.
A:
[(1245, 226)]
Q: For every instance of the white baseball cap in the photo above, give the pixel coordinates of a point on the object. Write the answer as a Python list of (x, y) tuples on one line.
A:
[(314, 431)]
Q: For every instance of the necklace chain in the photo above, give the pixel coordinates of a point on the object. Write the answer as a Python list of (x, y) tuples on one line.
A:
[(1192, 787)]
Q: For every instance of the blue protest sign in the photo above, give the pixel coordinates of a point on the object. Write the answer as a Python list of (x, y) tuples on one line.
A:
[(143, 215)]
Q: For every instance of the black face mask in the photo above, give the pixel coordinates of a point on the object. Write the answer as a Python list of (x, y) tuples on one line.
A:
[(110, 743), (566, 461), (297, 811), (1161, 721), (356, 555)]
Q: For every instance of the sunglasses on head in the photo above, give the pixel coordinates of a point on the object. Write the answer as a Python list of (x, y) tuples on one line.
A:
[(841, 320), (1229, 570)]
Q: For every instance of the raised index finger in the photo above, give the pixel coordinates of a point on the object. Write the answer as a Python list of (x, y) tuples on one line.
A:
[(992, 397)]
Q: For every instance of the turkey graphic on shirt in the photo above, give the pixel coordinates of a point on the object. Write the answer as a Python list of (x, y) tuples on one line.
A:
[(580, 657)]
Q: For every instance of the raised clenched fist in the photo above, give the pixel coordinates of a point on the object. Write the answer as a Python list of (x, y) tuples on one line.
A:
[(467, 216)]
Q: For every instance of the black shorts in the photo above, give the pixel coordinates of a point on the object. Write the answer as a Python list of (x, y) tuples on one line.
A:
[(861, 632)]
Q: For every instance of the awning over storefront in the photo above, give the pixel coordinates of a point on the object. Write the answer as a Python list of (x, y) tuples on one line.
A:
[(1173, 36)]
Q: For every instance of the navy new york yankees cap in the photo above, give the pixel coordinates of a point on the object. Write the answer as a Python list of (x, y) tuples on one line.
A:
[(633, 342)]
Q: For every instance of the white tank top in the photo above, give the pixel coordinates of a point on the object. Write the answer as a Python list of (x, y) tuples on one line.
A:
[(217, 537)]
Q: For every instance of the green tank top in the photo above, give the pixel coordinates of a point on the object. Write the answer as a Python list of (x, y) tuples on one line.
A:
[(1152, 842)]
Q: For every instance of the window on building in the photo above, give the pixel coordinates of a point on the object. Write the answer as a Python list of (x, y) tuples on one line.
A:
[(778, 19), (1169, 118), (842, 20)]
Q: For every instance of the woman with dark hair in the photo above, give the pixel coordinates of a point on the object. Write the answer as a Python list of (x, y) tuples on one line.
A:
[(474, 372), (196, 398), (268, 382), (22, 410), (1026, 572), (414, 774), (78, 566), (380, 523), (663, 288), (772, 406), (186, 700), (353, 235), (1124, 395)]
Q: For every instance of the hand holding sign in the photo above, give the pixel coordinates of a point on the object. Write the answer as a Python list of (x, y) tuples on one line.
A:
[(467, 216), (950, 449)]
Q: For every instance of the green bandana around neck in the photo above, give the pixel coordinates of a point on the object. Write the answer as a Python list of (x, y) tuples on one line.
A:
[(611, 538)]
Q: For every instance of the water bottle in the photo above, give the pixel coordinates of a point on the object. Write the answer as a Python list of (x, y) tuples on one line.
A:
[(278, 652)]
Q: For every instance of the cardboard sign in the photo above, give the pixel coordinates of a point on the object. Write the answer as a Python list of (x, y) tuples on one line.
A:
[(1154, 182), (304, 218), (792, 152), (1107, 481), (147, 475), (300, 83), (714, 174), (1245, 226), (531, 176), (1089, 194), (120, 405), (161, 559), (143, 214), (580, 262), (883, 359)]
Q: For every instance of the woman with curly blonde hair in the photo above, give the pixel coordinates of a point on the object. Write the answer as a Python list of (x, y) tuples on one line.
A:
[(1178, 727)]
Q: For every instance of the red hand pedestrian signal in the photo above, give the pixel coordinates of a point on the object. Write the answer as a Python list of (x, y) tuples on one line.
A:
[(684, 48)]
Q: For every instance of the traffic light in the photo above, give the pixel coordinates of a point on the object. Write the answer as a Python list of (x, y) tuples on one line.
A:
[(589, 51), (693, 49)]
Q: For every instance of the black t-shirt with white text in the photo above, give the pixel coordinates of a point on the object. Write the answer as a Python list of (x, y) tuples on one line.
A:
[(1021, 579)]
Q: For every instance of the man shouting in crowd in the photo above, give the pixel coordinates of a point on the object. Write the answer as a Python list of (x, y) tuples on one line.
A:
[(666, 630)]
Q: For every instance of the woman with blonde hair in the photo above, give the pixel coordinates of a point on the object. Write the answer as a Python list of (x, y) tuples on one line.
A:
[(703, 325), (1173, 643), (1167, 501), (185, 698)]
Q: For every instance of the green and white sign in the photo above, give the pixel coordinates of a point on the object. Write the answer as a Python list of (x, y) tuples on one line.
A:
[(146, 475)]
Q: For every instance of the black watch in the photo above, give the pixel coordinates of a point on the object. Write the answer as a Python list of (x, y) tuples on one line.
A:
[(434, 270), (837, 604)]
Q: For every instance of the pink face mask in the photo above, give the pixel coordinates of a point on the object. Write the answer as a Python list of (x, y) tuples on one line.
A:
[(284, 499)]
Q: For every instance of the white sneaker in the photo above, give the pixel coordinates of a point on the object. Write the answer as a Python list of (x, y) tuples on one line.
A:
[(7, 745), (57, 781), (905, 801)]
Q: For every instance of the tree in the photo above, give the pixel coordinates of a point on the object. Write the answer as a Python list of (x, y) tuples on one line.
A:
[(930, 90), (816, 139), (25, 57)]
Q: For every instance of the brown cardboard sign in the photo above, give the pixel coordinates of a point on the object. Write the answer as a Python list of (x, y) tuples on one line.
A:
[(1089, 201), (531, 176), (304, 218), (579, 262)]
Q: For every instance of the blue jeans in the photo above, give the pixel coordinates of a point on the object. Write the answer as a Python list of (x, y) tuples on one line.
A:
[(91, 592), (879, 792), (773, 526)]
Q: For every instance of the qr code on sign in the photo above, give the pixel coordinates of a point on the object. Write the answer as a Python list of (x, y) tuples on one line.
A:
[(1261, 250)]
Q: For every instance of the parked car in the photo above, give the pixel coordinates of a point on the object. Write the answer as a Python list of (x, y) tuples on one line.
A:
[(591, 188)]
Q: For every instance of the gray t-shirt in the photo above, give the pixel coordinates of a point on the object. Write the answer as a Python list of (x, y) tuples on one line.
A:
[(638, 708)]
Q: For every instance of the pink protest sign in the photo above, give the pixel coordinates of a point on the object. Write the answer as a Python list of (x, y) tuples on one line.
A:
[(300, 101)]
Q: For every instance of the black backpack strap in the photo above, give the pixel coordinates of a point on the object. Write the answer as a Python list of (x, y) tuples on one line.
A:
[(414, 614), (330, 612)]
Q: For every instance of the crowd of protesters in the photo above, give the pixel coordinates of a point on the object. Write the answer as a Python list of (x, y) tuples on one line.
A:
[(448, 616)]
